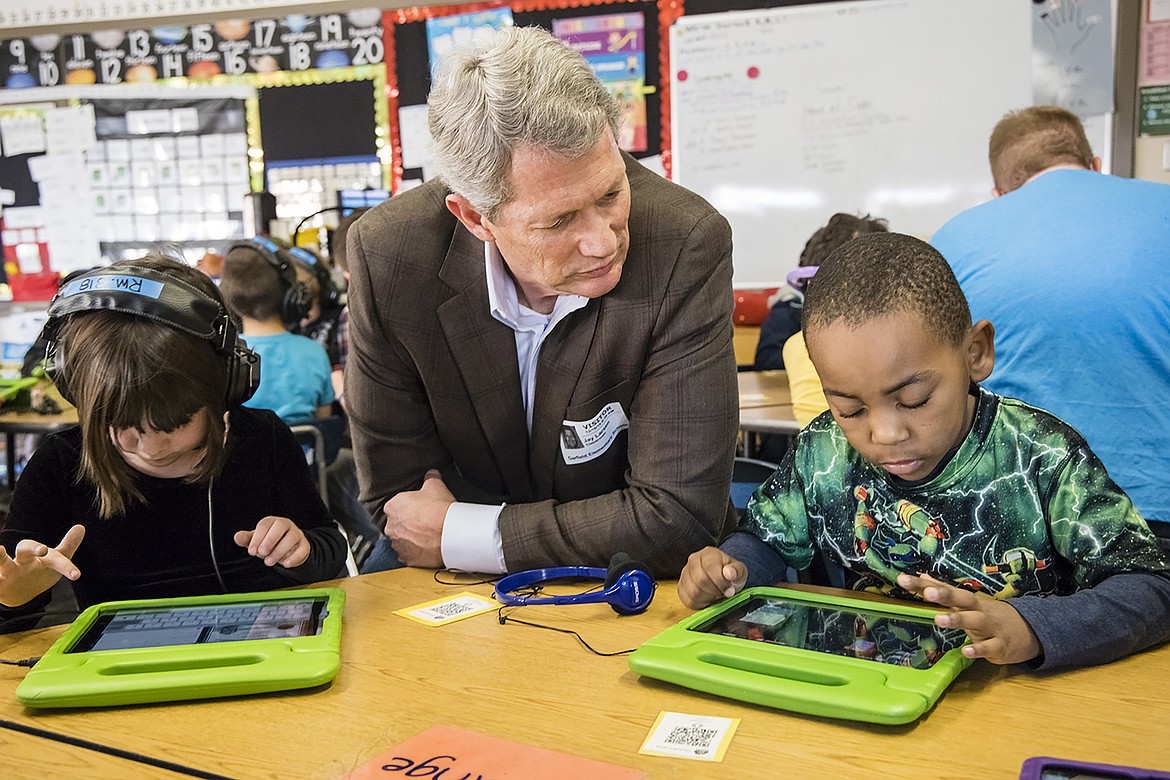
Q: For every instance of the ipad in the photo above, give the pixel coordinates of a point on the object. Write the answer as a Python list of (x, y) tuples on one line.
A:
[(132, 652), (1046, 768), (823, 655)]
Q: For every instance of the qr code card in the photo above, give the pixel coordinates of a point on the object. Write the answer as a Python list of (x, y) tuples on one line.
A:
[(440, 612), (698, 737)]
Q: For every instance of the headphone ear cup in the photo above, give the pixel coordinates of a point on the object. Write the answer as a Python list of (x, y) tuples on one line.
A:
[(55, 368), (243, 375), (297, 303), (633, 585)]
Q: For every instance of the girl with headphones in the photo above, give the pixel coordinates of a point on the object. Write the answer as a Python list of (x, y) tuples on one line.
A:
[(168, 487)]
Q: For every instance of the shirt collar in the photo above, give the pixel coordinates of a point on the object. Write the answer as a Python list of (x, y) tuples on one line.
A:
[(505, 305)]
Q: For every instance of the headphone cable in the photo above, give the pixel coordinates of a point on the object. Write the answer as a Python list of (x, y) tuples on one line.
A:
[(211, 537), (507, 618), (301, 224)]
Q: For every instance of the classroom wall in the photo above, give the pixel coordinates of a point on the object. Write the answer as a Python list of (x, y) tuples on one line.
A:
[(1151, 153), (20, 18)]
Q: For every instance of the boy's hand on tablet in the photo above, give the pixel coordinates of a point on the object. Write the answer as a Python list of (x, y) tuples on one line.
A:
[(37, 567), (710, 575), (276, 540), (997, 631)]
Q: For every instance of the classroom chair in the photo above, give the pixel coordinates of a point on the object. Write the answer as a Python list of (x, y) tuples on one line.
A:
[(313, 441), (747, 474)]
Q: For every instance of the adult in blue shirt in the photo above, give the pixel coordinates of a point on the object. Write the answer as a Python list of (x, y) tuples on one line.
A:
[(1071, 266)]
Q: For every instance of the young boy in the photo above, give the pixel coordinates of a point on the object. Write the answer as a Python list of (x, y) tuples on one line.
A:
[(919, 482), (294, 370)]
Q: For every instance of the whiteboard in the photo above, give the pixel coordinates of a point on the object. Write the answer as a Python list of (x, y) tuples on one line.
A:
[(782, 117)]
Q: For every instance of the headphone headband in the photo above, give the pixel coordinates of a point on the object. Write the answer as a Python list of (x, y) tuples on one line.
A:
[(629, 589), (147, 293), (158, 296)]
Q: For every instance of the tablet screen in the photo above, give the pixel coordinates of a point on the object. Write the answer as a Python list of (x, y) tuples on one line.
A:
[(873, 636), (202, 624)]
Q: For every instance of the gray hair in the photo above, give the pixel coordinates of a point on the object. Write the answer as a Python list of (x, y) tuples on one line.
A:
[(518, 86)]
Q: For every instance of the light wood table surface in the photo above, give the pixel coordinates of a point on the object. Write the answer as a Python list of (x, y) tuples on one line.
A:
[(763, 388), (542, 688), (30, 756), (765, 406)]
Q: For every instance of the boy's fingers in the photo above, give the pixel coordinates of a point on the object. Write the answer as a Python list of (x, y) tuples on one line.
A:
[(991, 649), (242, 538), (949, 596), (735, 574), (966, 620)]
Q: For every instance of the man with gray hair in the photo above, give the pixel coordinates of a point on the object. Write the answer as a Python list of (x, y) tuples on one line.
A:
[(541, 369)]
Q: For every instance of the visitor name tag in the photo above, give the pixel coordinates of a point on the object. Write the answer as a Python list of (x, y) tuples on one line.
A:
[(584, 441)]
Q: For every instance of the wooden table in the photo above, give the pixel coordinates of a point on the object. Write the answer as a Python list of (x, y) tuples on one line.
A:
[(31, 756), (763, 388), (542, 688), (12, 423), (765, 406)]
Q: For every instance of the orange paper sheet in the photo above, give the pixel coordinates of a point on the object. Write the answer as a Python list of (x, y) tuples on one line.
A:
[(467, 754)]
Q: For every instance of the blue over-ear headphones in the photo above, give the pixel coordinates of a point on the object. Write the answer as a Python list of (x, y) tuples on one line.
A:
[(629, 587)]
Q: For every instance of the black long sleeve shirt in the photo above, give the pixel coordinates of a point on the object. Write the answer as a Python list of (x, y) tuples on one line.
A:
[(164, 547)]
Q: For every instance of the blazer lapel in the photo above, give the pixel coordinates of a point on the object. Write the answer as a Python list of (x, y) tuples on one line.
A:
[(562, 359), (485, 355)]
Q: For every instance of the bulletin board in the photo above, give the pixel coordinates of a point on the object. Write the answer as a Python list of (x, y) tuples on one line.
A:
[(889, 115), (408, 62)]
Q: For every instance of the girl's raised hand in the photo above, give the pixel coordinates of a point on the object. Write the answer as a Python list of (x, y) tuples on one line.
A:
[(37, 567)]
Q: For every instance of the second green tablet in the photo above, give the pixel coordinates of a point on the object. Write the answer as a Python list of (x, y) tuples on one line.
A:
[(822, 655)]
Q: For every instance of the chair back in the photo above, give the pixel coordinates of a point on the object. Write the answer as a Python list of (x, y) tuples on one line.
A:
[(312, 441), (746, 475)]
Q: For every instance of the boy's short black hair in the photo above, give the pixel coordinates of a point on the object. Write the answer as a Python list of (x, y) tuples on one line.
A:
[(839, 229), (882, 273)]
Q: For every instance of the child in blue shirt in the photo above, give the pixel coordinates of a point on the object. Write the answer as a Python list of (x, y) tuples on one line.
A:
[(260, 286), (921, 484)]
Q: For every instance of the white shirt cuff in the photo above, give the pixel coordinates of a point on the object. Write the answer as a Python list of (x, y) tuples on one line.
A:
[(471, 538)]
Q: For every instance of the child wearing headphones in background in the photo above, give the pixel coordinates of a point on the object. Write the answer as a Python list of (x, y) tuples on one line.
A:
[(260, 285), (168, 487), (320, 324)]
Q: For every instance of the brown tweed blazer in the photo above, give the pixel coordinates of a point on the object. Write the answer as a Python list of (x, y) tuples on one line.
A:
[(432, 381)]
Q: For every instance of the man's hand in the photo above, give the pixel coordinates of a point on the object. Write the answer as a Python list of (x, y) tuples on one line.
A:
[(414, 522), (276, 540), (997, 631), (710, 574), (37, 567)]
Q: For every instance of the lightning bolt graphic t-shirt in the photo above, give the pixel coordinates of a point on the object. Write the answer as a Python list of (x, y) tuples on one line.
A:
[(1023, 507)]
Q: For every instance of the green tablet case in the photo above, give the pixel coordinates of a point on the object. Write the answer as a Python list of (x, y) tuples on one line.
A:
[(835, 684), (68, 677)]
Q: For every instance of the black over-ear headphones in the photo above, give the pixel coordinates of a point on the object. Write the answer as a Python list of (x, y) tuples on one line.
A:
[(628, 588), (296, 302), (158, 296), (330, 296)]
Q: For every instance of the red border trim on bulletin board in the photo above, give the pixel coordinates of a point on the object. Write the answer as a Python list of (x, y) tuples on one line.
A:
[(668, 12)]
